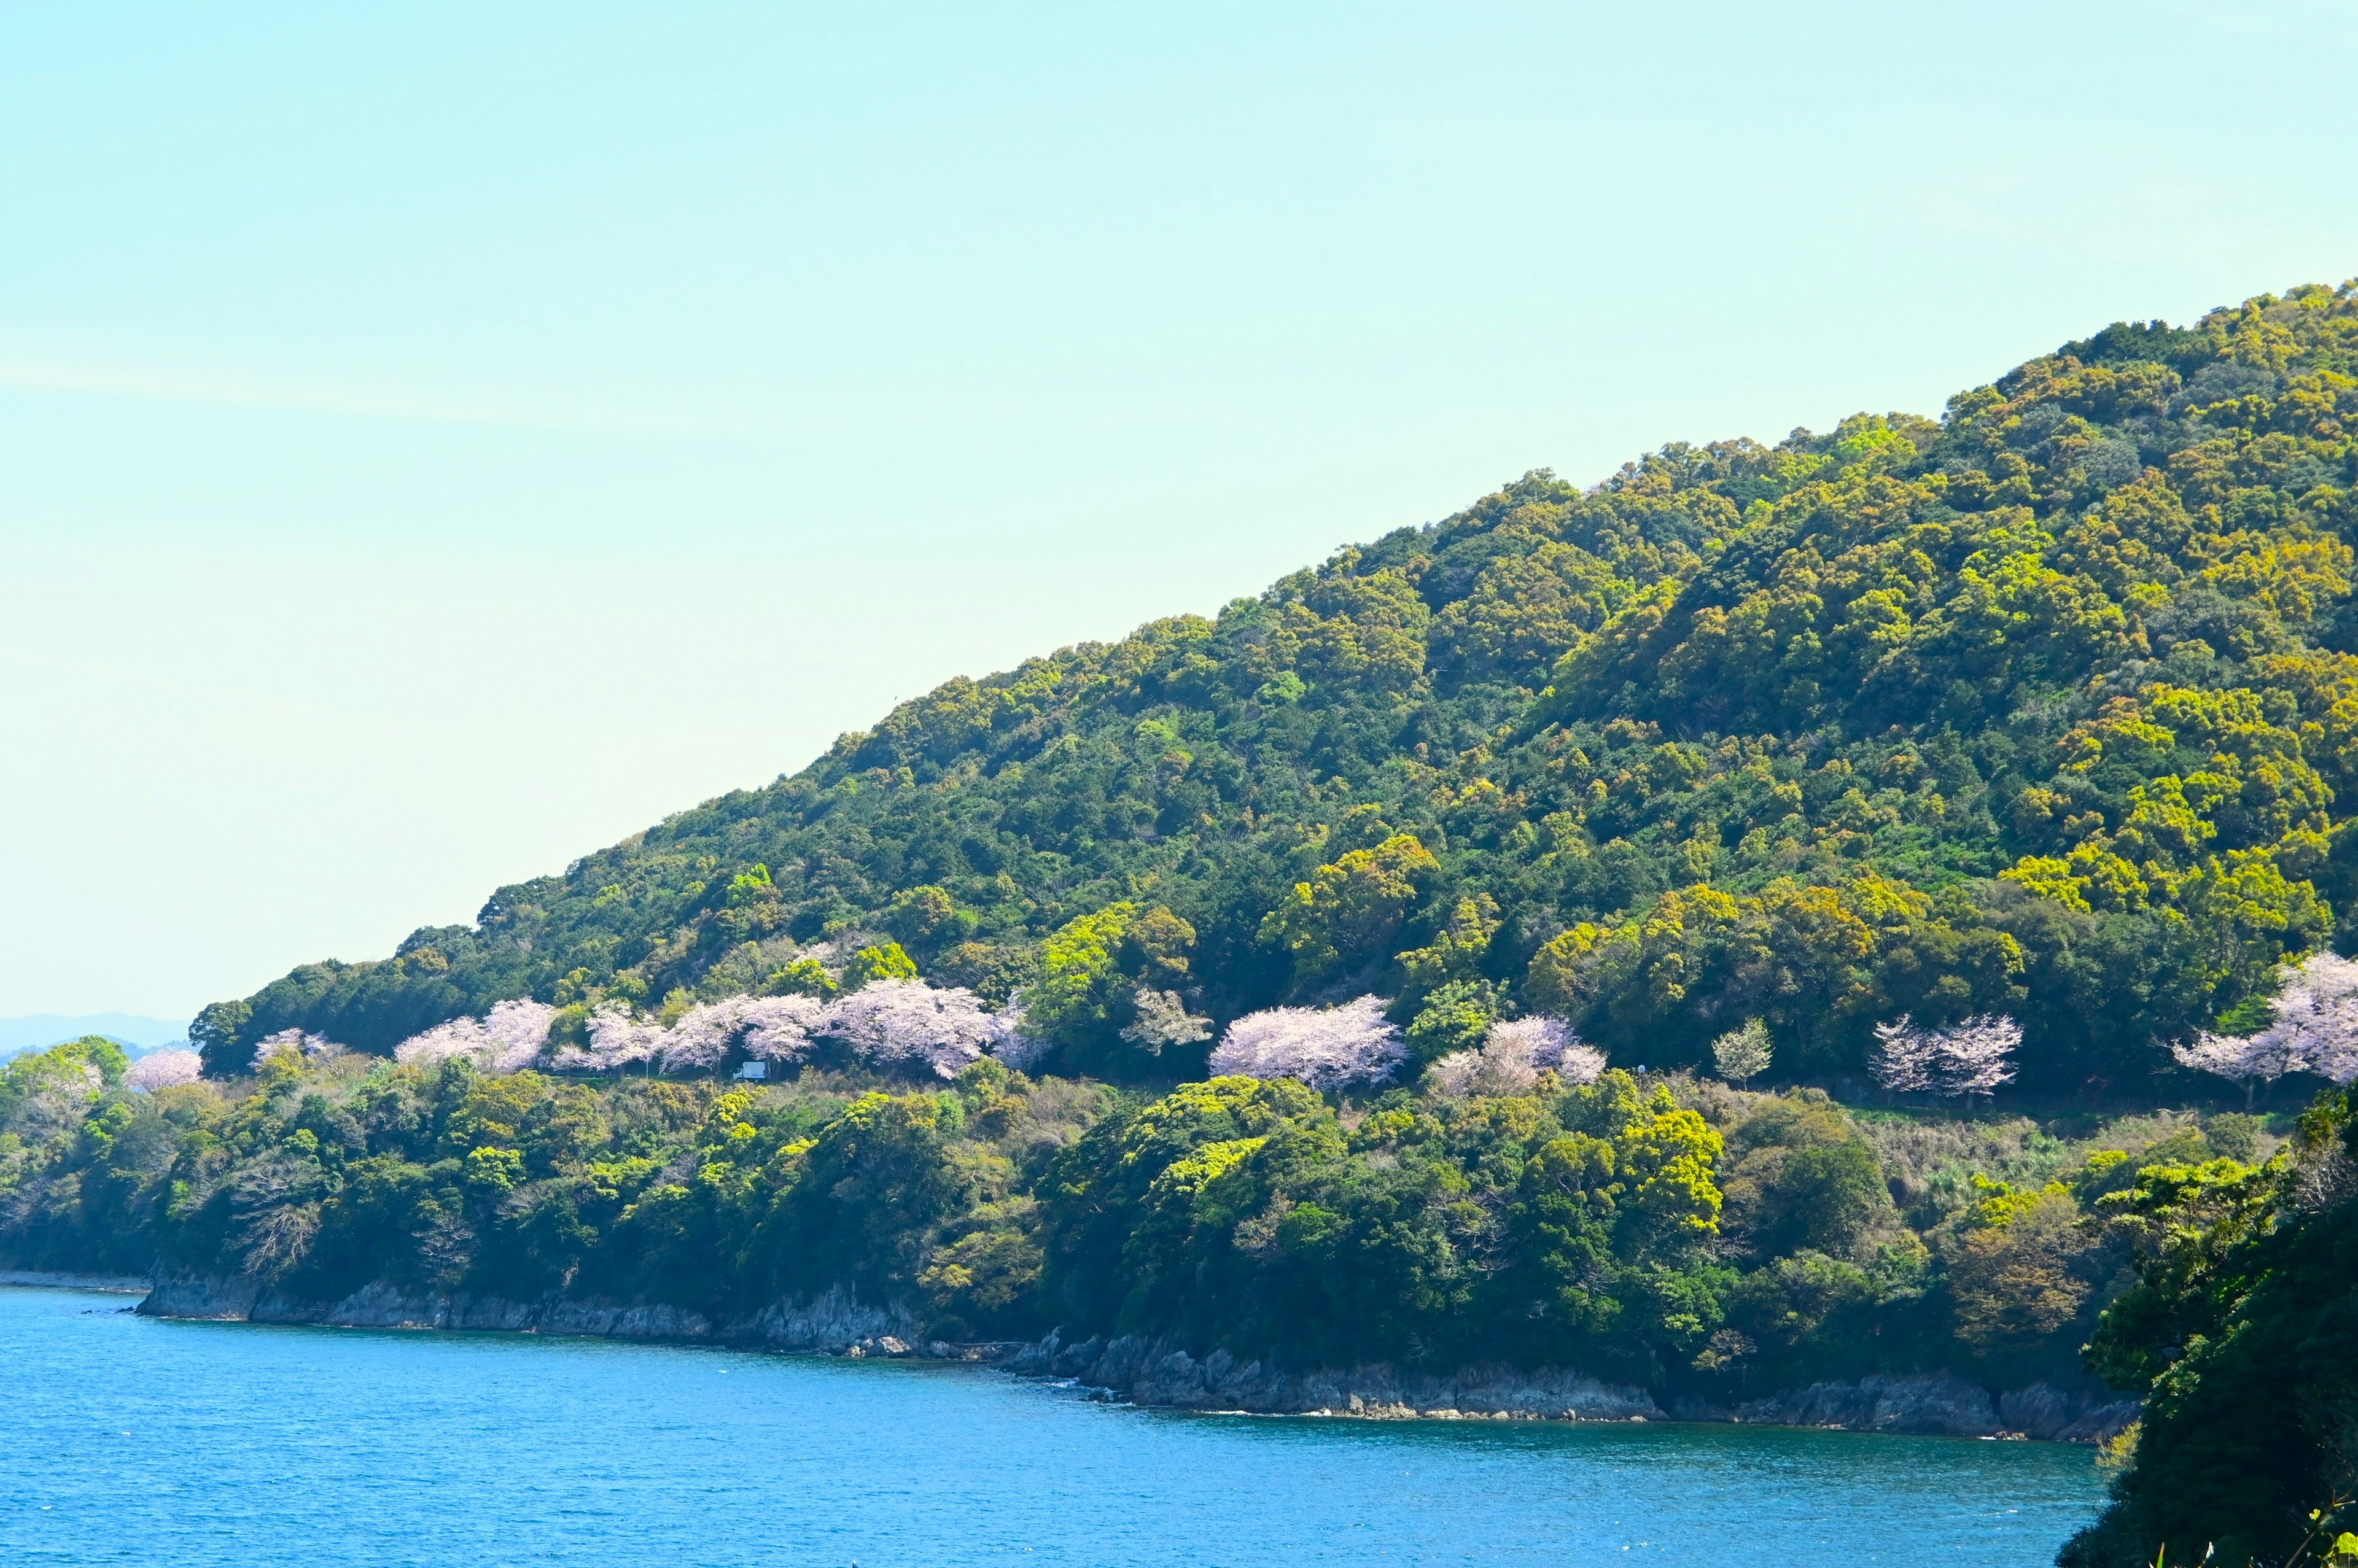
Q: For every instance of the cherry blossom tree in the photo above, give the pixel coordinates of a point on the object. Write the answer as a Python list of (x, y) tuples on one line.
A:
[(1975, 1056), (311, 1045), (2250, 1060), (1969, 1058), (1324, 1047), (162, 1069), (508, 1039), (778, 1028), (616, 1040), (893, 1023), (767, 1028), (1904, 1056), (1512, 1055), (2313, 1028)]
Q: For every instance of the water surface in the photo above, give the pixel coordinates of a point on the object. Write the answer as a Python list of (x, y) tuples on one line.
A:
[(128, 1440)]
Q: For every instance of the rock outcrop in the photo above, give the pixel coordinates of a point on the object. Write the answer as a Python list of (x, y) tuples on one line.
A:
[(835, 1321), (1162, 1374), (1152, 1372)]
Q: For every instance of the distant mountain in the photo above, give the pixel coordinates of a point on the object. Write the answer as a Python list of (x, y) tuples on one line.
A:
[(137, 1035), (2048, 707)]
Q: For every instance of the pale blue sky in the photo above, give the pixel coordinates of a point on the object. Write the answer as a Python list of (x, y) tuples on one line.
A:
[(439, 439)]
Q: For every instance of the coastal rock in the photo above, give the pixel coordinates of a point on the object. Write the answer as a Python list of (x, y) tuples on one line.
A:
[(201, 1296), (835, 1320), (1937, 1403), (2043, 1411), (1152, 1372)]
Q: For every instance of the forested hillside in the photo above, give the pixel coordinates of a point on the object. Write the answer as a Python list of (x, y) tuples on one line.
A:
[(2047, 707)]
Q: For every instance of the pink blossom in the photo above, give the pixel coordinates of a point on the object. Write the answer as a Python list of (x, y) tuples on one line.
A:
[(616, 1040), (1324, 1047), (162, 1069), (1512, 1055), (778, 1028), (1549, 1042), (893, 1023), (508, 1039), (770, 1028), (311, 1046)]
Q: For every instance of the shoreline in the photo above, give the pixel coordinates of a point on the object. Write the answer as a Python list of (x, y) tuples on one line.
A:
[(52, 1279), (1155, 1376)]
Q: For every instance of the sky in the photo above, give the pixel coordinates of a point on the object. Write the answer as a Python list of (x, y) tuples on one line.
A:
[(439, 439)]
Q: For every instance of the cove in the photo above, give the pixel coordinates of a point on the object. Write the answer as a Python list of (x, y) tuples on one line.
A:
[(141, 1440)]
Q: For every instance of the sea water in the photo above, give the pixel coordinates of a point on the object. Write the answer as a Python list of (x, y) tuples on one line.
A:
[(130, 1440)]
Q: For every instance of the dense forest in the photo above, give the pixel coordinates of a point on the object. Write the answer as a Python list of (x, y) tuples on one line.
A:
[(1683, 1235), (2048, 707)]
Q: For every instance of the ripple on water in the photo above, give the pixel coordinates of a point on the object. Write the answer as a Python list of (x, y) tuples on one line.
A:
[(130, 1440)]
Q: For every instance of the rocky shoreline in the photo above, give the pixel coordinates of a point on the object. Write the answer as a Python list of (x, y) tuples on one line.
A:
[(834, 1324), (1155, 1374), (1159, 1375)]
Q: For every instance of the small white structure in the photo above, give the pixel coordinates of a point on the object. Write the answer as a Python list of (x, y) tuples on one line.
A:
[(754, 1071)]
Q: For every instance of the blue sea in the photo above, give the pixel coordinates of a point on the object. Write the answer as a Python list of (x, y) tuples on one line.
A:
[(127, 1440)]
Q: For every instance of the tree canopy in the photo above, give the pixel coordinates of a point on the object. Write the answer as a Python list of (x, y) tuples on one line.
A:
[(2047, 707)]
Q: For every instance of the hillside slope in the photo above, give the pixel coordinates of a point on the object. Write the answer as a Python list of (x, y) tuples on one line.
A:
[(2049, 706)]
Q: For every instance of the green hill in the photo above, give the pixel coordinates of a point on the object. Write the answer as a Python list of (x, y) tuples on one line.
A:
[(2048, 707)]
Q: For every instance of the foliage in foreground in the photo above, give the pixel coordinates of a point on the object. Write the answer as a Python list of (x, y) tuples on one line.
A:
[(1688, 1236), (2047, 709), (2242, 1331)]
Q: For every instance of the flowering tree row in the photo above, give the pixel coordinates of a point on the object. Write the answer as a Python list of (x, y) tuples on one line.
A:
[(888, 1023)]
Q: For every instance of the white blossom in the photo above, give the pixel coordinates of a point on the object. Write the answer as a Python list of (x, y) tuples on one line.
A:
[(1511, 1057), (1452, 1077), (1164, 1020), (162, 1069), (2313, 1028), (1546, 1043), (893, 1023), (616, 1040), (508, 1039), (1969, 1058), (1904, 1056), (1324, 1047), (2317, 1017), (1975, 1056), (769, 1028), (2240, 1059), (778, 1028), (1581, 1064), (312, 1046)]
